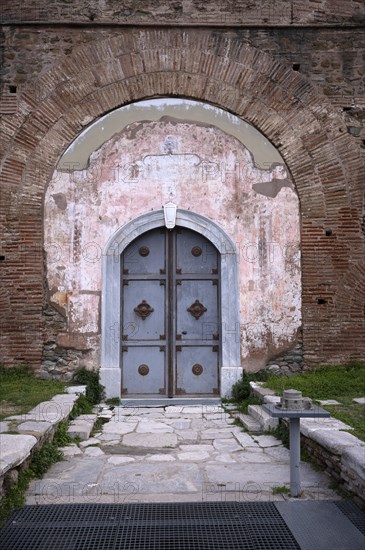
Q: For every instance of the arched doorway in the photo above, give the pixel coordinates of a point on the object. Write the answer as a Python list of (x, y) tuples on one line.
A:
[(170, 319), (219, 253), (148, 154)]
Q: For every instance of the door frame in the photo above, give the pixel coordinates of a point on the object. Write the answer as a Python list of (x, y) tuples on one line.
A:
[(230, 369)]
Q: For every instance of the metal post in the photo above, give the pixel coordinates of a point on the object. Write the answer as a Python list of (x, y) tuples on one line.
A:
[(294, 429)]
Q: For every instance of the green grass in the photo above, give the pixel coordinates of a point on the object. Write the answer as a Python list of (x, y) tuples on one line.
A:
[(282, 490), (20, 391), (113, 401), (342, 383)]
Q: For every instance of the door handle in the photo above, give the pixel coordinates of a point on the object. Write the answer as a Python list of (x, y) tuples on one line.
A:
[(184, 332)]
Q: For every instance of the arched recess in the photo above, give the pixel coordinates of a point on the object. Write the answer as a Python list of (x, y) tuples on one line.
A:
[(229, 296), (205, 65)]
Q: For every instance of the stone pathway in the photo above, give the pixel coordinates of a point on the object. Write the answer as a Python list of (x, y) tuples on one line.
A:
[(173, 453)]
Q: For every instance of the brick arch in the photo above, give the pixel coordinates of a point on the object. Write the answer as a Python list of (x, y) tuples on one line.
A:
[(96, 78)]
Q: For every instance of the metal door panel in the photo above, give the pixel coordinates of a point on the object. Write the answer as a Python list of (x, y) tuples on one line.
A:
[(193, 297), (137, 295), (194, 253), (146, 254), (196, 370), (144, 370), (170, 293)]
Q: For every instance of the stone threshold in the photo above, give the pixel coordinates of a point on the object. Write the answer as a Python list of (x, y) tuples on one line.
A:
[(167, 401)]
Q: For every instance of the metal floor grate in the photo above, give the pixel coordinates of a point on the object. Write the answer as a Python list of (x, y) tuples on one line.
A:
[(353, 513), (182, 526)]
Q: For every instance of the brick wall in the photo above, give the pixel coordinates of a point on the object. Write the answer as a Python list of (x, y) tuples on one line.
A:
[(301, 84)]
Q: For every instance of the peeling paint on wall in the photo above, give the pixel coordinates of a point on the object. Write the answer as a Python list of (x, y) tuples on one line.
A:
[(199, 167), (76, 157)]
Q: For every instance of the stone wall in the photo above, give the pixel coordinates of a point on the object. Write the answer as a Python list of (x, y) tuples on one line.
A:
[(344, 466), (299, 80), (188, 12), (290, 361)]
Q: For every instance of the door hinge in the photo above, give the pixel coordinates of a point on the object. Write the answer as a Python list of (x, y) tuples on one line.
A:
[(162, 348), (125, 271), (125, 282), (178, 348), (215, 348), (178, 336), (124, 336), (124, 348)]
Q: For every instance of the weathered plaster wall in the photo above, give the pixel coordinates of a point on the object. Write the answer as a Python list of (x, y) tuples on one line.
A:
[(198, 167)]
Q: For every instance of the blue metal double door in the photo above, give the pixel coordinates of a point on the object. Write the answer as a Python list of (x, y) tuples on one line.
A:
[(170, 341)]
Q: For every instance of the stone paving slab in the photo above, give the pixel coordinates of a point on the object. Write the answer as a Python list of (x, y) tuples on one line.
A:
[(150, 426), (120, 428), (82, 426), (37, 429), (156, 458), (359, 400), (227, 445), (267, 440), (14, 449), (76, 389), (187, 435), (150, 440), (88, 442), (336, 441), (151, 478), (49, 411), (309, 425), (4, 426)]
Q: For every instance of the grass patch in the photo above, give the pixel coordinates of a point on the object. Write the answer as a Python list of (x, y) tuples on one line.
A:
[(282, 490), (282, 432), (242, 406), (113, 401), (98, 425), (82, 406), (91, 378), (342, 383), (20, 391), (61, 437)]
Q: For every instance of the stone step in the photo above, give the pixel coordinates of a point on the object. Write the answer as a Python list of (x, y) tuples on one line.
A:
[(259, 391), (266, 421), (249, 423), (82, 426)]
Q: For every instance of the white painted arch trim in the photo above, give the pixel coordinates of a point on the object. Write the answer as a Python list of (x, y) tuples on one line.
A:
[(110, 371)]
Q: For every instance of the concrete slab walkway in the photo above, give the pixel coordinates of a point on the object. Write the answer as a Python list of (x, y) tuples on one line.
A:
[(173, 454)]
